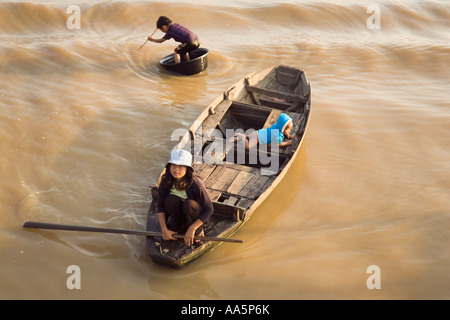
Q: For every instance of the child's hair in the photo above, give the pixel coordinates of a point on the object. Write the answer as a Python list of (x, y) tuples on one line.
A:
[(187, 179), (163, 21)]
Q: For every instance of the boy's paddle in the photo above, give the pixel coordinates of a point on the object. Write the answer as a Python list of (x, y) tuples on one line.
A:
[(53, 226), (146, 41)]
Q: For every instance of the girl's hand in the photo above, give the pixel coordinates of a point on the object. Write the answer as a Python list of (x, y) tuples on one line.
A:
[(190, 233), (167, 234), (189, 236)]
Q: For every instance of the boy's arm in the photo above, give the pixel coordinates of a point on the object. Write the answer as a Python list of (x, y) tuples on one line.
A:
[(288, 142), (285, 143), (156, 40)]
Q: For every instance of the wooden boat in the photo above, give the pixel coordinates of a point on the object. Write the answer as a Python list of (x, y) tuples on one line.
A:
[(197, 63), (236, 182)]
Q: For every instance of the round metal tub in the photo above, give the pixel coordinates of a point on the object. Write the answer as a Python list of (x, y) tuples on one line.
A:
[(197, 63)]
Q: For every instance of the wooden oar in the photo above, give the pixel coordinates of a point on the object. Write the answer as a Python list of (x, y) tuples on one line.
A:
[(54, 226), (146, 41)]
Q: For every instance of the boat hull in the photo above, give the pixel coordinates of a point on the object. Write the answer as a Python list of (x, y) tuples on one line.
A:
[(236, 183)]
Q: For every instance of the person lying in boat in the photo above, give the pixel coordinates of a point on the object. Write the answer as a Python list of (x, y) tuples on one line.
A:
[(183, 197), (189, 41), (274, 134)]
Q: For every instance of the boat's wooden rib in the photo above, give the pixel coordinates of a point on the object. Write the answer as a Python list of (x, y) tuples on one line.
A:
[(236, 184)]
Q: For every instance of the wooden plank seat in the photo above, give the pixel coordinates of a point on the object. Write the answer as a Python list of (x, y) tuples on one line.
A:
[(277, 103), (231, 180), (276, 94)]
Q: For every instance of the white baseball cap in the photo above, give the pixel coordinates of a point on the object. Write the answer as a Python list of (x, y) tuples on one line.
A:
[(181, 157)]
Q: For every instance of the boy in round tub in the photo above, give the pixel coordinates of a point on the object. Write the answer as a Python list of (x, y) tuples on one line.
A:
[(189, 41), (268, 135)]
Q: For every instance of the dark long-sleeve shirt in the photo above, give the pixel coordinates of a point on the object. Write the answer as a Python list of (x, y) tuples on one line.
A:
[(196, 191), (179, 33)]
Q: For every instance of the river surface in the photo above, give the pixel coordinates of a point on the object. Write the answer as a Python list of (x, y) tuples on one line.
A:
[(85, 128)]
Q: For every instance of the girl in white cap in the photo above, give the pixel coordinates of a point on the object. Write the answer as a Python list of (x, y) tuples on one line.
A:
[(183, 197)]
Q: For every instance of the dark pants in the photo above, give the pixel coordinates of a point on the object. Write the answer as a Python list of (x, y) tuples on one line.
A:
[(186, 47), (181, 214)]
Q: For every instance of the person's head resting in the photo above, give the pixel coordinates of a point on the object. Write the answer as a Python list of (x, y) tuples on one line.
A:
[(287, 128), (180, 167), (163, 23), (284, 123)]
